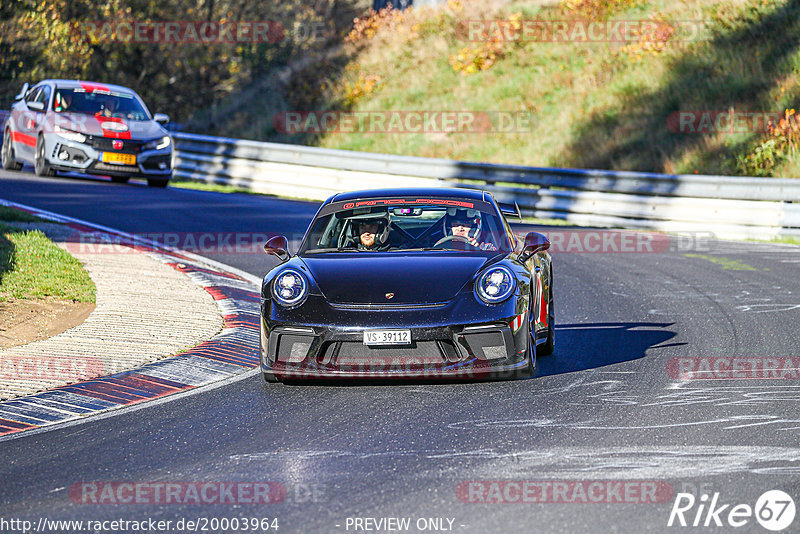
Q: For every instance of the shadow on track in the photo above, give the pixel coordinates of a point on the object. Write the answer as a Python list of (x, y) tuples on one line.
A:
[(578, 347), (586, 346)]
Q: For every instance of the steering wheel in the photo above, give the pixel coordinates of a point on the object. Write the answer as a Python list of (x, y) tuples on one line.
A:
[(454, 238)]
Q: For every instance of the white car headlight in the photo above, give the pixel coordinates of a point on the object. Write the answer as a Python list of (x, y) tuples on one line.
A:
[(289, 288), (495, 285), (69, 134), (158, 144)]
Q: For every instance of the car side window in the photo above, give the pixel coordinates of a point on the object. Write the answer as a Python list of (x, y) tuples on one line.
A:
[(515, 242), (32, 94), (44, 96)]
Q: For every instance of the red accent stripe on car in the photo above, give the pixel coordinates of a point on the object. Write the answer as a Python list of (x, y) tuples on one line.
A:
[(25, 139), (92, 87), (516, 324), (542, 305), (113, 134)]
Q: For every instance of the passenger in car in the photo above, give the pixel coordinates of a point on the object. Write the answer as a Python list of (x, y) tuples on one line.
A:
[(466, 224), (63, 101)]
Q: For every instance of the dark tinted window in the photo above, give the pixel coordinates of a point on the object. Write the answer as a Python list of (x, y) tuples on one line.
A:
[(101, 103), (402, 227)]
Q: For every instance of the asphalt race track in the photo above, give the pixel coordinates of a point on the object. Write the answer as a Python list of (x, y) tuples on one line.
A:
[(609, 406)]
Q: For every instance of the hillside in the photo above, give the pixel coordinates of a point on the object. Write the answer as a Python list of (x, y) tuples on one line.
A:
[(613, 103), (185, 57)]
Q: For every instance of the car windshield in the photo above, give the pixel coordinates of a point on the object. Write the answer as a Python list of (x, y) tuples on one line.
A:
[(103, 104), (461, 226)]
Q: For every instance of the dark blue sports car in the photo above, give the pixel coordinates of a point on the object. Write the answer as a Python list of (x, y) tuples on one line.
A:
[(423, 283)]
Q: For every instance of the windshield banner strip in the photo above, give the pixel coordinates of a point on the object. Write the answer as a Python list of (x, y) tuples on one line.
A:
[(415, 201)]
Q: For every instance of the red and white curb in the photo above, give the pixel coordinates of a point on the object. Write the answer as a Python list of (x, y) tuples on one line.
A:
[(232, 352)]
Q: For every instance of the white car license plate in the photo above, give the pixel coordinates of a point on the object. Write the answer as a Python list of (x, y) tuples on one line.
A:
[(387, 337)]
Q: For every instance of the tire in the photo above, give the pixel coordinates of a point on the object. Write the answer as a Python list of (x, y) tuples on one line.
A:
[(270, 378), (120, 179), (41, 166), (157, 182), (550, 345), (530, 370), (9, 162)]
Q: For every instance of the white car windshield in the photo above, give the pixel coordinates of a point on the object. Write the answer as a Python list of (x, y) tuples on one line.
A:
[(104, 104)]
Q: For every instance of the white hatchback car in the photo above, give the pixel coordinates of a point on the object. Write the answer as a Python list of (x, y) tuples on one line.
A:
[(88, 127)]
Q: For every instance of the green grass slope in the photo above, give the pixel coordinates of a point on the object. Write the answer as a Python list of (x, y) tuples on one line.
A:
[(608, 105)]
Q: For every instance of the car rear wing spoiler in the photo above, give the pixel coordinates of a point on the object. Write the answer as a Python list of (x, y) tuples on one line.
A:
[(508, 209)]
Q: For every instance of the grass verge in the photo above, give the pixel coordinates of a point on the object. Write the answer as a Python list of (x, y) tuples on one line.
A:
[(214, 188), (8, 214), (219, 188), (32, 266)]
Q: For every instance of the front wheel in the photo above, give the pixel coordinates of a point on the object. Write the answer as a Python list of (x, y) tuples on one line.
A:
[(529, 370), (157, 182), (270, 378), (9, 161), (550, 345), (41, 166)]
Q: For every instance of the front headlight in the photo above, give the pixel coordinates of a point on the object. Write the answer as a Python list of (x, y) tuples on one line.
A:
[(495, 285), (69, 134), (158, 144), (289, 288)]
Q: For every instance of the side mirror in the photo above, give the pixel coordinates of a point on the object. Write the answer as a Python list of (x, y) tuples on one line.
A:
[(161, 118), (534, 242), (22, 92), (36, 106), (277, 246)]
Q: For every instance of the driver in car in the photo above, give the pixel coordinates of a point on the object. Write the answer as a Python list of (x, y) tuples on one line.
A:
[(109, 107), (466, 224), (372, 233)]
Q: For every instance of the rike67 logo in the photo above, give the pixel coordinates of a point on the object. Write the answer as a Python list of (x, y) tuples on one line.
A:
[(774, 510)]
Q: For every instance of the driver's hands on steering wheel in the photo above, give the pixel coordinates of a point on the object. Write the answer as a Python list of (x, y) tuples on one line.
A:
[(457, 239)]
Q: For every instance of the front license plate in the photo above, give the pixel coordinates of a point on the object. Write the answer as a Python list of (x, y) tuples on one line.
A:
[(123, 159), (387, 337)]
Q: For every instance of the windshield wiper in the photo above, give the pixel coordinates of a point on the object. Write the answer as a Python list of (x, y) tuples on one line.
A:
[(332, 250), (418, 249)]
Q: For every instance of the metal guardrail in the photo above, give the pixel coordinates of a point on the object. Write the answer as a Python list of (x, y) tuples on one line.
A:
[(728, 206)]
